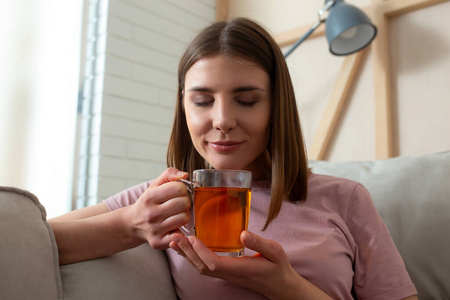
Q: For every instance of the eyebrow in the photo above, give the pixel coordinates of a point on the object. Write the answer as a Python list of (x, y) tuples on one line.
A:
[(236, 90)]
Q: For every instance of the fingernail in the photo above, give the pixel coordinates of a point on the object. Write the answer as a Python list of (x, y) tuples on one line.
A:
[(175, 247), (176, 240), (181, 174)]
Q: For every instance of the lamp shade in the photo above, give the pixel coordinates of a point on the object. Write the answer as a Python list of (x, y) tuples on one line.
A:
[(348, 29)]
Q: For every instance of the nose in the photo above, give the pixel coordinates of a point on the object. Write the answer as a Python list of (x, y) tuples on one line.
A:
[(223, 115)]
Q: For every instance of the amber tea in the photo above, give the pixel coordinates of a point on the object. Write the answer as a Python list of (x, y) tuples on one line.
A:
[(221, 214), (220, 209)]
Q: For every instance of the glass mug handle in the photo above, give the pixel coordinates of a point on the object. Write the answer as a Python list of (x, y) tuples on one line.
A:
[(189, 228)]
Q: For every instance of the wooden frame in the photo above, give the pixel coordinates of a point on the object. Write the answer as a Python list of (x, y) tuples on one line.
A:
[(221, 10), (380, 11)]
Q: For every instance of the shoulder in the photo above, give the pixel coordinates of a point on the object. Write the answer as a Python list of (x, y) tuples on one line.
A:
[(330, 185), (335, 192)]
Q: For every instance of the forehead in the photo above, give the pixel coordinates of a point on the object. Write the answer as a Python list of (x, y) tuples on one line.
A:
[(225, 71)]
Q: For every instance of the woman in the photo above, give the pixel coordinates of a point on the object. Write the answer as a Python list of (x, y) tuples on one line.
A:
[(309, 237)]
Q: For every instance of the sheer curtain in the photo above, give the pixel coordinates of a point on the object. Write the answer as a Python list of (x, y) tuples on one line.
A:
[(39, 78)]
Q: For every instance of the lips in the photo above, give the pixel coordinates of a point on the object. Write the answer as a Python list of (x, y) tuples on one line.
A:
[(225, 146)]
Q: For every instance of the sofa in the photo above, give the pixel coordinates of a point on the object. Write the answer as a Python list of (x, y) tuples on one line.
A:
[(412, 195)]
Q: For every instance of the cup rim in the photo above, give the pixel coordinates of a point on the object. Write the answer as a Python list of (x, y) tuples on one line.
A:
[(221, 171)]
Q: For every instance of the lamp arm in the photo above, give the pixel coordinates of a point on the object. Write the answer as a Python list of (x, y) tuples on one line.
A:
[(322, 17), (304, 37)]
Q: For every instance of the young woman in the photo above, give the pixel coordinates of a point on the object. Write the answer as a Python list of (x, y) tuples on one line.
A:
[(309, 237)]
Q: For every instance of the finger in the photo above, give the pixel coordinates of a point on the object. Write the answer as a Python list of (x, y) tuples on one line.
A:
[(222, 266), (168, 191), (174, 246), (182, 245), (170, 174), (176, 204), (207, 258), (174, 222), (186, 246), (271, 250)]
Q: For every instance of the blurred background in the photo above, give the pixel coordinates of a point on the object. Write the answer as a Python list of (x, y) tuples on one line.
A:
[(87, 88)]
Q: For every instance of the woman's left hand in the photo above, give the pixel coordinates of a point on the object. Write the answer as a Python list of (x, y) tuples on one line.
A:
[(268, 272)]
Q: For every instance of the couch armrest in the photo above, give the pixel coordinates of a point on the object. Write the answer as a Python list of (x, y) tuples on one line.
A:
[(29, 267)]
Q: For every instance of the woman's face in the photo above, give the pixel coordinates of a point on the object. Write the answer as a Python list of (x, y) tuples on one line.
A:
[(227, 105)]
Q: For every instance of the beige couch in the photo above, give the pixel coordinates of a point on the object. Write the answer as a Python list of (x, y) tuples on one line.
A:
[(412, 195)]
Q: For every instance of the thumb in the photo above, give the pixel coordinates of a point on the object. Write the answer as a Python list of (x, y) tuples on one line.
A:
[(270, 249), (170, 174)]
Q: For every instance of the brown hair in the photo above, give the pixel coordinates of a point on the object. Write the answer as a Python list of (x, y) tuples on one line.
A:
[(286, 161)]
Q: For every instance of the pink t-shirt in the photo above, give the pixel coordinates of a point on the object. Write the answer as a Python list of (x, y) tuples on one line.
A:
[(335, 239)]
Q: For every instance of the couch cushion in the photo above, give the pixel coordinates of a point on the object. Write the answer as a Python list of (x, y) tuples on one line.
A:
[(412, 195), (139, 273), (28, 254)]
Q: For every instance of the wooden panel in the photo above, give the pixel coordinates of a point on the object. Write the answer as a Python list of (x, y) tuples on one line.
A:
[(396, 7), (338, 98), (221, 10), (381, 69)]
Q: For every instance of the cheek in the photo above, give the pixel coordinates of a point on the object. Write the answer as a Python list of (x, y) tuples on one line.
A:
[(195, 122), (260, 125)]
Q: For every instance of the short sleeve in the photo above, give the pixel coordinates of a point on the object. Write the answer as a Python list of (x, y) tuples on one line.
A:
[(380, 272), (126, 197)]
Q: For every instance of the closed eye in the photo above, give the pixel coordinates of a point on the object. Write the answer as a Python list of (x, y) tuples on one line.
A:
[(246, 103), (202, 100), (202, 104), (248, 98)]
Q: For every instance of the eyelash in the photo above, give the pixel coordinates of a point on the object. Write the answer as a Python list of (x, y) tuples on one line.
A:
[(201, 104), (246, 104)]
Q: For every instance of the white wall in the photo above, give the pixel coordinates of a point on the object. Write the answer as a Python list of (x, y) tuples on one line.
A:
[(39, 65), (133, 89), (420, 72)]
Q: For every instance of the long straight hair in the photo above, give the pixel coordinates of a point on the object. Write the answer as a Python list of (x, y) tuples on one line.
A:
[(285, 159)]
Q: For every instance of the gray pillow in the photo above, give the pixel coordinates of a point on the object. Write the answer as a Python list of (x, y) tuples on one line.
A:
[(139, 273), (28, 255), (412, 195)]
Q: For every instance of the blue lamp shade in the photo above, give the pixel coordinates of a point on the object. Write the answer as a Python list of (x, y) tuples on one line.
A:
[(348, 29)]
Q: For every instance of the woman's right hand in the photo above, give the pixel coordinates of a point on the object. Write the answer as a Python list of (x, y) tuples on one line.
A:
[(161, 209), (95, 231)]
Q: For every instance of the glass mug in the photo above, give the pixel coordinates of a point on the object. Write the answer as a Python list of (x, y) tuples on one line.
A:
[(220, 208)]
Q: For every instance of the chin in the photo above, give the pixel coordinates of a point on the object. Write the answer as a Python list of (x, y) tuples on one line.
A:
[(227, 167), (227, 164)]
